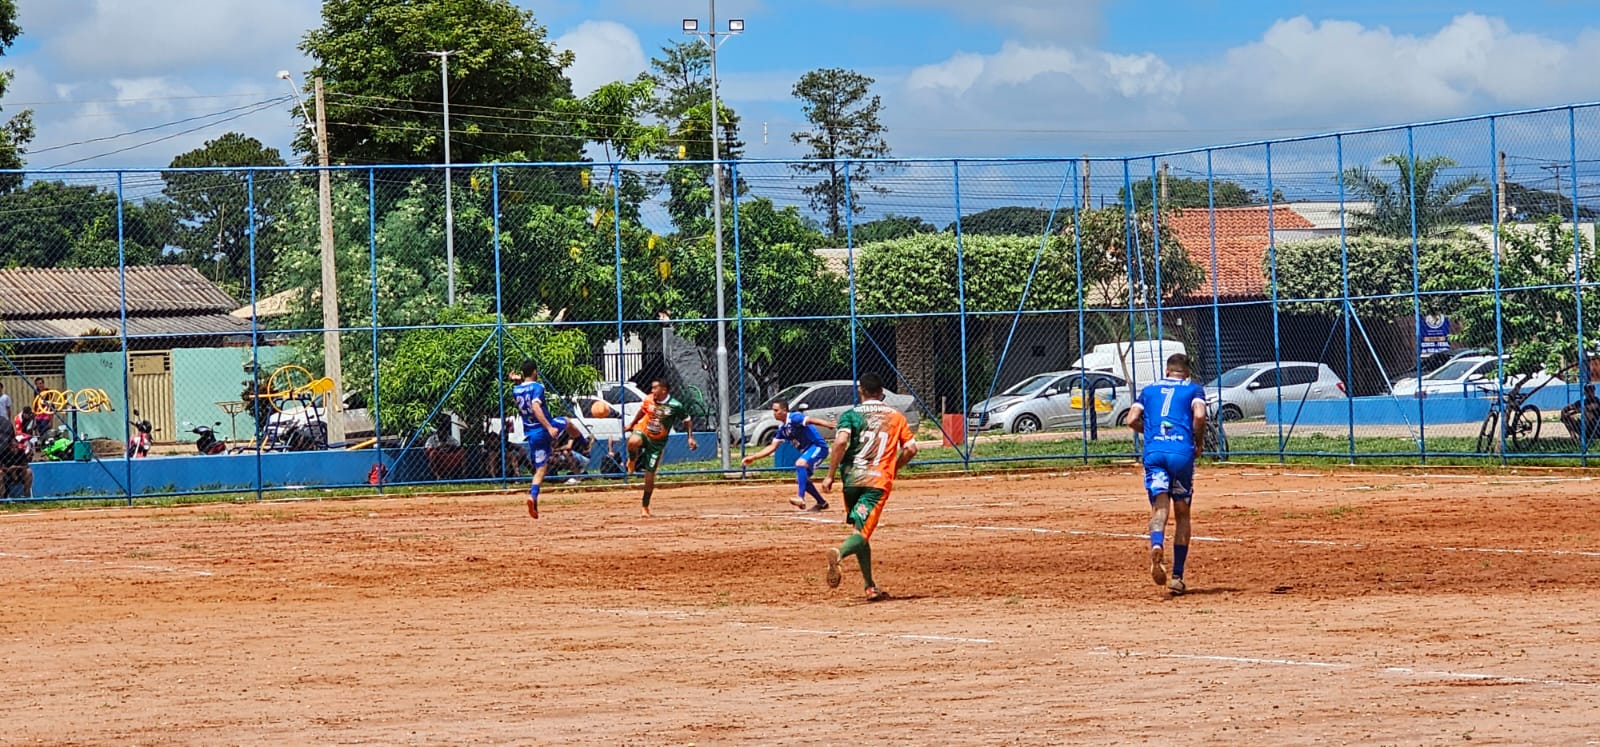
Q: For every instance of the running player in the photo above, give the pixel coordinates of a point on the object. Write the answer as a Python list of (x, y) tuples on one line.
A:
[(1174, 436), (538, 429), (873, 441), (801, 431), (647, 435)]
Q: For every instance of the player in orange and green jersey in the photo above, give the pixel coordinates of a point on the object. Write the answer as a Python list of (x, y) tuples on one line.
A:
[(647, 435), (873, 441)]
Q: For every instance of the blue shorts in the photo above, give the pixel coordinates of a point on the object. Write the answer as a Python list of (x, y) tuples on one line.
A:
[(814, 455), (1169, 472), (539, 443)]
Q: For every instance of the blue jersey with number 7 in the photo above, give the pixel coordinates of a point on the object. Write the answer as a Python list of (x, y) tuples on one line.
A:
[(1169, 415)]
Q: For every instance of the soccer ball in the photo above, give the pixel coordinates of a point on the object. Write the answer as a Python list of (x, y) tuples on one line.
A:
[(600, 409)]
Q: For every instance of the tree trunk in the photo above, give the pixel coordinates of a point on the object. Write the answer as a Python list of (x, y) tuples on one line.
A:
[(913, 343)]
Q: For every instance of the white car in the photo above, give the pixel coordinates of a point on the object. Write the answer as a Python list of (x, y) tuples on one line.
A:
[(311, 420), (622, 401), (1468, 375), (1052, 401), (824, 400), (1244, 392)]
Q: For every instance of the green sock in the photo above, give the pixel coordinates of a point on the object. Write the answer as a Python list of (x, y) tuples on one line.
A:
[(646, 499), (854, 544), (864, 556)]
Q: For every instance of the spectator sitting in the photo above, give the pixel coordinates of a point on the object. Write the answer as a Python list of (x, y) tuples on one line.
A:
[(14, 467), (1590, 418), (571, 454), (445, 455)]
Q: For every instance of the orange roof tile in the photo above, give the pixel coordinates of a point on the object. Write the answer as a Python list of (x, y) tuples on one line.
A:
[(1241, 241)]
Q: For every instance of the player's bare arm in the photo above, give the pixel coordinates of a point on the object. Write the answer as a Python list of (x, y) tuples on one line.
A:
[(688, 427), (1197, 410), (1136, 417), (841, 441), (765, 452), (907, 451)]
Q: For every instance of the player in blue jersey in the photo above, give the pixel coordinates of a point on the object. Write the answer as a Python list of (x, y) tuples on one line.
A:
[(801, 431), (1171, 413), (538, 427)]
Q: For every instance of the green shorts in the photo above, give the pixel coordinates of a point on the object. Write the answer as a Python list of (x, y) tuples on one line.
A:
[(650, 451), (863, 506)]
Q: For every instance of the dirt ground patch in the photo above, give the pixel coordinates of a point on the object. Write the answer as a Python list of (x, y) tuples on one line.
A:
[(1326, 607)]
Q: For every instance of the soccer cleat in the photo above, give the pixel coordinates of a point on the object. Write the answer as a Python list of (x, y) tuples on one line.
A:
[(820, 507), (533, 507), (875, 594), (1176, 586), (834, 576), (1158, 569), (798, 503)]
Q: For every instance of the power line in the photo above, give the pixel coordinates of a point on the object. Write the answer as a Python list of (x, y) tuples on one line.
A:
[(162, 126), (260, 107)]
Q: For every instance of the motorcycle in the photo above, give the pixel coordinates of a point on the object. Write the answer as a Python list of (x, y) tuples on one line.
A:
[(208, 443), (56, 445), (139, 442)]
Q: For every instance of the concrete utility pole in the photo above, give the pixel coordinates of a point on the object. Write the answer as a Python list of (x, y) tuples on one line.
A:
[(331, 356), (1163, 184), (1086, 204), (449, 201), (1500, 188)]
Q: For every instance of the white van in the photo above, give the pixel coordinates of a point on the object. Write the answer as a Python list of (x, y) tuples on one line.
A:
[(1139, 361)]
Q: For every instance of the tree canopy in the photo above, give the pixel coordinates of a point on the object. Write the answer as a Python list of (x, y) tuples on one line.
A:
[(214, 207), (843, 113), (1437, 200)]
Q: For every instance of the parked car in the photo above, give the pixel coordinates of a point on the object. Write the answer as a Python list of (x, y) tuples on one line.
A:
[(1473, 374), (1431, 363), (622, 399), (824, 400), (1244, 392), (1050, 400), (1142, 360)]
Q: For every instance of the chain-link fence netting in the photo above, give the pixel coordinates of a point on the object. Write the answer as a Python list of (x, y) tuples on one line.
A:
[(1414, 294)]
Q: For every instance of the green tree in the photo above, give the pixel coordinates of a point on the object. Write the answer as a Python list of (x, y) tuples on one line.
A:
[(843, 113), (781, 277), (1012, 220), (215, 206), (418, 372), (383, 92), (1113, 274), (54, 224), (682, 104), (892, 226), (1437, 202), (17, 131), (1525, 204), (1379, 267), (1183, 192), (916, 277)]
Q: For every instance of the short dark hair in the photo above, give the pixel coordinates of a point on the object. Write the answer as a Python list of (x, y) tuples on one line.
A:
[(780, 401), (872, 384), (1178, 360), (663, 382), (529, 369)]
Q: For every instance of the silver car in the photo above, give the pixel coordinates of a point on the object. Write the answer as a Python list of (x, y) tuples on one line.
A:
[(1244, 392), (1051, 401), (824, 400)]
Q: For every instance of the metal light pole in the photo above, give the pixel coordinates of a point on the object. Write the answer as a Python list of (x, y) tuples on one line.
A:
[(332, 366), (449, 201), (735, 26)]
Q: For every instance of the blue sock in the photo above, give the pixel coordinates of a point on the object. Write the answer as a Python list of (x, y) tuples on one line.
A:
[(1158, 539), (802, 477), (533, 493), (812, 490), (1180, 553)]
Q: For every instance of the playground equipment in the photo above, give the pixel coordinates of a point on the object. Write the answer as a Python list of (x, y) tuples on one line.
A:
[(299, 404), (67, 403)]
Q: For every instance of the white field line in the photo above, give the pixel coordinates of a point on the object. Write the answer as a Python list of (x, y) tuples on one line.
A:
[(1408, 671)]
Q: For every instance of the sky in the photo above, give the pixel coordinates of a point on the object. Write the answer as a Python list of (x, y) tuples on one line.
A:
[(132, 83)]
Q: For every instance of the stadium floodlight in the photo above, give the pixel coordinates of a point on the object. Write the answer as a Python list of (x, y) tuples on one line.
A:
[(735, 26)]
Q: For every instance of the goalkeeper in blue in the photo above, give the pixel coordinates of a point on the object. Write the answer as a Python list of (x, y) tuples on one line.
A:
[(1171, 413), (801, 431)]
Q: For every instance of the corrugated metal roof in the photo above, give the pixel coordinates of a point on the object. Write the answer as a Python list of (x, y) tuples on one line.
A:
[(27, 292), (206, 325)]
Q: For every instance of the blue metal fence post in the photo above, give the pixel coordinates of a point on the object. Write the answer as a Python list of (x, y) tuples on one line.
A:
[(616, 186), (738, 307), (1272, 265), (965, 452), (1216, 293), (1155, 248), (255, 328), (850, 272), (1499, 321), (1077, 264), (1131, 253), (1577, 284), (1349, 308), (1416, 286), (499, 330), (122, 289), (372, 257)]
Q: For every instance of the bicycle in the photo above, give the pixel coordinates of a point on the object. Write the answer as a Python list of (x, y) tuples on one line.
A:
[(1522, 426)]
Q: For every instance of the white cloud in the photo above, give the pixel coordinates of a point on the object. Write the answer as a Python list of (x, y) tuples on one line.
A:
[(138, 37), (1060, 20), (603, 52), (1300, 74)]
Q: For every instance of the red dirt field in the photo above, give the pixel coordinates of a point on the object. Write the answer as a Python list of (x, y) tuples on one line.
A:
[(1326, 607)]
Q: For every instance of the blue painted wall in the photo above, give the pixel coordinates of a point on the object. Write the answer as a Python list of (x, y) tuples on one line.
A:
[(1387, 410)]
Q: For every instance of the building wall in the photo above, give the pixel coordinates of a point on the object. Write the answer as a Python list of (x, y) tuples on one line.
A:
[(201, 377)]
